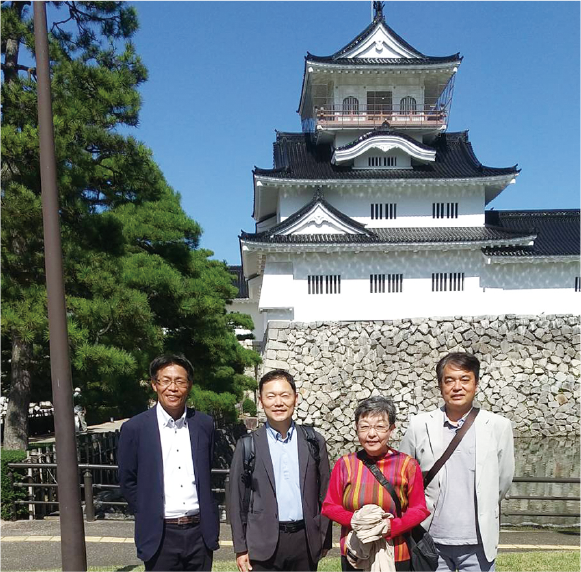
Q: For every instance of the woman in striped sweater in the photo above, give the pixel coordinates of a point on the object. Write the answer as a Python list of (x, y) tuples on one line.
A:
[(352, 484)]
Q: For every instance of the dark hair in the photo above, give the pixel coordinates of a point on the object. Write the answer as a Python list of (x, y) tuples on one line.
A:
[(460, 360), (171, 359), (277, 374), (376, 405)]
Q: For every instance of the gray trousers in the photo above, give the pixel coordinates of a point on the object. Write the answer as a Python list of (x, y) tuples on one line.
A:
[(463, 558)]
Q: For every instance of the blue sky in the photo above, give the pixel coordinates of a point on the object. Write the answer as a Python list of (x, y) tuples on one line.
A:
[(224, 75)]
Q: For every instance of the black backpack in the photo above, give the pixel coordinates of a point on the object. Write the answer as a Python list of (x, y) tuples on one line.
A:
[(250, 459)]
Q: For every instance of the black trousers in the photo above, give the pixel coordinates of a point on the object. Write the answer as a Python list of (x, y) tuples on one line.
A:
[(402, 566), (182, 548), (292, 553)]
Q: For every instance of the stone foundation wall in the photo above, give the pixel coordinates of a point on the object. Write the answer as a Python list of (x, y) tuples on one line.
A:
[(529, 369)]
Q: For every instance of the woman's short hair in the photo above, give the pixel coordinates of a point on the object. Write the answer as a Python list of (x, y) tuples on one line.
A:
[(460, 360), (376, 405)]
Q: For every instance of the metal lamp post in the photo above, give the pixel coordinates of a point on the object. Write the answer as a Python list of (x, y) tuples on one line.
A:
[(73, 550)]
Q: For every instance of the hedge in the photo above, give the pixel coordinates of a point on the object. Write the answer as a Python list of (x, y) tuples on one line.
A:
[(248, 406), (7, 493)]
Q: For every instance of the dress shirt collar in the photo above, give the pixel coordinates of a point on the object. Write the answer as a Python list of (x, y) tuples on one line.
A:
[(164, 419), (455, 424), (276, 436)]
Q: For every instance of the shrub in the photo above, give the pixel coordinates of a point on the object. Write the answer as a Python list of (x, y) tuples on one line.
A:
[(248, 406), (8, 494)]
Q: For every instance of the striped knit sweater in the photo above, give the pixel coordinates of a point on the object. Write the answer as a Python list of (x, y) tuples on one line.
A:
[(352, 486)]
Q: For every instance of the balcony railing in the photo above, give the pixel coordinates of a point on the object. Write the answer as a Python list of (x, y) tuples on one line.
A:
[(333, 116)]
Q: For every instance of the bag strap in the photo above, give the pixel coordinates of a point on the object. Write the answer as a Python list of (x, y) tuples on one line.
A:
[(249, 459), (429, 477), (381, 479), (311, 438)]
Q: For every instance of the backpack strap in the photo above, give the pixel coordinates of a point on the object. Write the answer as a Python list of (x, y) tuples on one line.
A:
[(249, 461), (311, 437)]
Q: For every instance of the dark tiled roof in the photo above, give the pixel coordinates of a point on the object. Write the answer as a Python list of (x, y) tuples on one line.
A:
[(296, 157), (385, 61), (415, 235), (384, 131), (557, 232), (377, 21), (239, 281)]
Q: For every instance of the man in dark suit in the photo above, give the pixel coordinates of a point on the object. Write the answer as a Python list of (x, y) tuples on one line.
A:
[(282, 527), (165, 457)]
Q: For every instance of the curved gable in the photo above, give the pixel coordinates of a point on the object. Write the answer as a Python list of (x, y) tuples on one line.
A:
[(384, 143)]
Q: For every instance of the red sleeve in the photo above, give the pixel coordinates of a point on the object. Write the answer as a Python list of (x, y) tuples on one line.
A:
[(416, 511), (333, 503)]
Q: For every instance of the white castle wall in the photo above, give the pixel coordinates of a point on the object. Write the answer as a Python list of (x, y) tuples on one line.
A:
[(414, 204), (488, 289)]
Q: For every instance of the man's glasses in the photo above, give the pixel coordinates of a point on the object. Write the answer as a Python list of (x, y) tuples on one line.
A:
[(181, 383)]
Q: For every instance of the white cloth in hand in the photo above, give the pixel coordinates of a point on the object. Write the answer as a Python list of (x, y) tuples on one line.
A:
[(367, 547)]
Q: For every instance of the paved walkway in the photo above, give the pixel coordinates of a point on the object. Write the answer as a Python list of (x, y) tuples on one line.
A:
[(35, 545)]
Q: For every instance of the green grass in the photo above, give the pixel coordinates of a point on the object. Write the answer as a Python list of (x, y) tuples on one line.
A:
[(548, 561)]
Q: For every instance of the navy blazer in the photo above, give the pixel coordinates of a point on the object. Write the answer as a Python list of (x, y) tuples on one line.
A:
[(141, 477)]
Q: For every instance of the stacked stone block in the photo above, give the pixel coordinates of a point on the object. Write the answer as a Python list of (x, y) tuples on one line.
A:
[(530, 369)]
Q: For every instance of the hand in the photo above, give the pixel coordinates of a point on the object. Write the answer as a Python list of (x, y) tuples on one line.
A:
[(324, 552), (388, 518), (243, 562)]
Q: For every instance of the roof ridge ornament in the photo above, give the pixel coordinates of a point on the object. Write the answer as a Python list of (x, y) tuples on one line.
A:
[(318, 196), (378, 8)]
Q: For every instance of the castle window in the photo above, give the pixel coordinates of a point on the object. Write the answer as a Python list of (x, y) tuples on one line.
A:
[(379, 102), (351, 105), (389, 161), (378, 212), (325, 284), (382, 283), (408, 105), (577, 284), (447, 281), (444, 210)]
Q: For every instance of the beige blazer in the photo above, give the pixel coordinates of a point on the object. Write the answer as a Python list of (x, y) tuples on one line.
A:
[(494, 466)]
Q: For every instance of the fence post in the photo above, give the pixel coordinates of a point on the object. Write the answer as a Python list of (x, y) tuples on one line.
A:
[(89, 505), (13, 501), (227, 497)]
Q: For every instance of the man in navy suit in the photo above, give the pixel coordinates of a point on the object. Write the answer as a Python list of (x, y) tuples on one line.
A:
[(165, 457)]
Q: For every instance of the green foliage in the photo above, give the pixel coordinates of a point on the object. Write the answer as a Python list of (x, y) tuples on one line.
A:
[(136, 282), (248, 406), (9, 494)]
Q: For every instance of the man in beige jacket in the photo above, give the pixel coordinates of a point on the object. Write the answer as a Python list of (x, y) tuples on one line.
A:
[(464, 496)]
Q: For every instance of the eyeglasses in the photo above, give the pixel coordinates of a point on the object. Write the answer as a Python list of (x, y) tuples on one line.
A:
[(181, 383), (367, 428)]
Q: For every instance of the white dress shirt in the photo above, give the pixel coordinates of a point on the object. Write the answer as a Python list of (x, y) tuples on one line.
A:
[(179, 482)]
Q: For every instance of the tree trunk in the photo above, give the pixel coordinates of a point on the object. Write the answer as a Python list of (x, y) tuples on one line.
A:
[(11, 66), (16, 422)]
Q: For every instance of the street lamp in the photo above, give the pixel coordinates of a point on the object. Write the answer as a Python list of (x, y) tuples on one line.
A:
[(73, 550)]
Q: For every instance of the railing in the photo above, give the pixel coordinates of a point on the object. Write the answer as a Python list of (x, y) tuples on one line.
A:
[(375, 115), (88, 487), (552, 480)]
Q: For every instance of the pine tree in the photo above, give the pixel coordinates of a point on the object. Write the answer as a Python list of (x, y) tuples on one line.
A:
[(136, 281)]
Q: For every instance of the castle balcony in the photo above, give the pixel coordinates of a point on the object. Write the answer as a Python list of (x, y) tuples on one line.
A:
[(341, 116)]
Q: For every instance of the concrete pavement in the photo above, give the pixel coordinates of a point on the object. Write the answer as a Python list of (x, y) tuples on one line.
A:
[(35, 545)]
